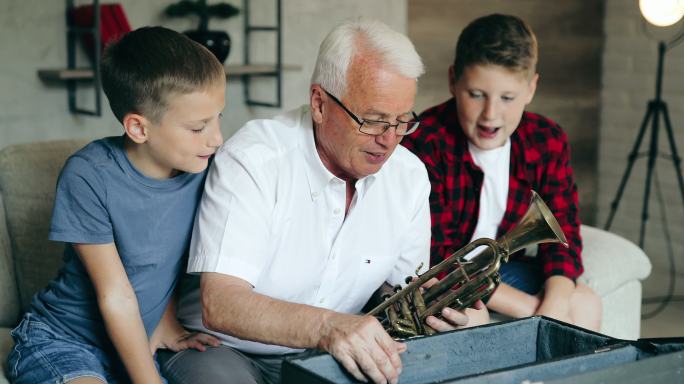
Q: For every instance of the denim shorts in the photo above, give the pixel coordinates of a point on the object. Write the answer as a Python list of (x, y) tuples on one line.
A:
[(523, 275), (43, 354)]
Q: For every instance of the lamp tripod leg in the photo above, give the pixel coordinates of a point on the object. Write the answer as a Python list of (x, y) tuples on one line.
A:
[(652, 156), (673, 149), (630, 163)]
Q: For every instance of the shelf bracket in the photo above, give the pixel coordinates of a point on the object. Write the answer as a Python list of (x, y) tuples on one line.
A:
[(277, 74), (73, 34)]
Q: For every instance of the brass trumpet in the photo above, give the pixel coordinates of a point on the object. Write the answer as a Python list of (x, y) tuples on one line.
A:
[(403, 314)]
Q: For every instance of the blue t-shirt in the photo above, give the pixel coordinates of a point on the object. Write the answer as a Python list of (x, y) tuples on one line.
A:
[(101, 198)]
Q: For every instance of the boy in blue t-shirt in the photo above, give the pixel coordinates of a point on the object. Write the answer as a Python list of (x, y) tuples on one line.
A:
[(125, 206)]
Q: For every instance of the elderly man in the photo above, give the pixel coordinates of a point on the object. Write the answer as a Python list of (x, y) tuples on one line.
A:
[(306, 215)]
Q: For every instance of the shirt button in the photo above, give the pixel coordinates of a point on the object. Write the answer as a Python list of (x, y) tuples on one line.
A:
[(321, 301), (337, 211), (333, 255), (314, 194)]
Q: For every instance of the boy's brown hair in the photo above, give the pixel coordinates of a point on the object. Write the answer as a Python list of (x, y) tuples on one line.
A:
[(142, 70), (497, 39)]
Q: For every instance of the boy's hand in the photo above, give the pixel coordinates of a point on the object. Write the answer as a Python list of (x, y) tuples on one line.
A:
[(454, 319), (170, 335), (194, 340), (556, 299), (513, 302)]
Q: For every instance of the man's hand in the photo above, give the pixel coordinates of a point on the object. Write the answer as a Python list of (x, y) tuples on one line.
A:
[(362, 346)]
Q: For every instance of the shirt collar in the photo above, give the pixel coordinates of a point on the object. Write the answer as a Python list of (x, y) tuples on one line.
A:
[(318, 175)]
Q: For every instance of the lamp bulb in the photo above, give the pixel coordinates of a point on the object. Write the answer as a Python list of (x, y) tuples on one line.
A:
[(662, 13)]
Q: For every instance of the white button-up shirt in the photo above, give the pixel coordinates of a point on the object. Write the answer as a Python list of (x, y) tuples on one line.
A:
[(273, 215)]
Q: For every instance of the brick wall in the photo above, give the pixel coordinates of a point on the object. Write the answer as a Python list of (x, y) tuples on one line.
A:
[(628, 83)]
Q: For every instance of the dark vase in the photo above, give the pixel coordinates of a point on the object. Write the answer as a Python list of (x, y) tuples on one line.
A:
[(218, 42)]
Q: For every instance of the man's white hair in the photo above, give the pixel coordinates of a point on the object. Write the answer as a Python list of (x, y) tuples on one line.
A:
[(393, 49)]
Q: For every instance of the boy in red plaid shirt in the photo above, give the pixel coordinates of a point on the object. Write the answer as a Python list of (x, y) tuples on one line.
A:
[(485, 154)]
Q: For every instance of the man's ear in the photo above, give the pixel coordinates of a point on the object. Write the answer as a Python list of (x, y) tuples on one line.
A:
[(317, 103), (532, 88), (452, 80), (136, 127)]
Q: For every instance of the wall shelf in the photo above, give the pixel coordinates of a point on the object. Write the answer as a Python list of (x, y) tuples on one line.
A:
[(250, 30), (65, 74), (73, 34), (232, 71), (73, 74)]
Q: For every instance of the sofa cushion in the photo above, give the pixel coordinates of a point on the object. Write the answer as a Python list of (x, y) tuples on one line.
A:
[(622, 312), (28, 173), (611, 261)]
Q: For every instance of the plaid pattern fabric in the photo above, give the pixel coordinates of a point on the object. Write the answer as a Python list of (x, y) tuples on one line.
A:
[(539, 161)]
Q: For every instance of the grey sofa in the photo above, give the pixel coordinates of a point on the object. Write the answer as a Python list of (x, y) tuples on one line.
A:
[(28, 172)]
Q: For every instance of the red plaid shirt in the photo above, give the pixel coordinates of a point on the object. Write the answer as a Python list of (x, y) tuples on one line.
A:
[(539, 161)]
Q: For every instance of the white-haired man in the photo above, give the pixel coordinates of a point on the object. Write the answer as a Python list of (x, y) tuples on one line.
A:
[(306, 215)]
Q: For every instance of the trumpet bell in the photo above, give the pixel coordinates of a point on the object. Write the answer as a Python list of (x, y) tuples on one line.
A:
[(538, 225)]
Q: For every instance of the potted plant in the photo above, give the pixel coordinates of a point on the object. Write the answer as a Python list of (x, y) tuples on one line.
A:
[(218, 42)]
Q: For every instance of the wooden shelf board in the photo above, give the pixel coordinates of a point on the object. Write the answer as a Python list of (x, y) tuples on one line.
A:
[(231, 70), (65, 74), (256, 69)]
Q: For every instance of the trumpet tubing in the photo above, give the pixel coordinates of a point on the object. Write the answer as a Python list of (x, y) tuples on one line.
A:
[(403, 314)]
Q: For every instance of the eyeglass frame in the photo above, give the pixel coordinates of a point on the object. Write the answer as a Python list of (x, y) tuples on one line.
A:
[(387, 124)]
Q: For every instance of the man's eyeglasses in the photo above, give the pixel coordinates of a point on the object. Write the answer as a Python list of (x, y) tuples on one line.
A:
[(379, 127)]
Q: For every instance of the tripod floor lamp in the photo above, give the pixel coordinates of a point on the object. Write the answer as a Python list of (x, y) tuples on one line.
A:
[(669, 12)]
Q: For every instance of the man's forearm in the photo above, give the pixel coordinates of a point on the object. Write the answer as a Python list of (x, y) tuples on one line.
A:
[(233, 308)]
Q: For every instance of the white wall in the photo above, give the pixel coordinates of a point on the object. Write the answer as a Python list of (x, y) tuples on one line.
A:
[(32, 36), (629, 71)]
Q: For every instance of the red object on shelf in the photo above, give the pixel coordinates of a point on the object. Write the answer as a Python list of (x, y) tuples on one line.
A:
[(113, 24)]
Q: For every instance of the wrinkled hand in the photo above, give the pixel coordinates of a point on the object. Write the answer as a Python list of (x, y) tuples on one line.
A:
[(194, 340), (362, 346), (454, 319)]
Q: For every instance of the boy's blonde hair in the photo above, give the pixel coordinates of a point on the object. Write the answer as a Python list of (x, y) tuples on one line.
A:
[(147, 66), (497, 39)]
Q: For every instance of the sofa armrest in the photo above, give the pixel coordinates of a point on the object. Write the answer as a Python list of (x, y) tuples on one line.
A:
[(6, 344), (610, 261), (9, 296)]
